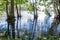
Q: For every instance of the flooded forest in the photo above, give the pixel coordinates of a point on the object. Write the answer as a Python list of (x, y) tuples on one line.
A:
[(29, 19)]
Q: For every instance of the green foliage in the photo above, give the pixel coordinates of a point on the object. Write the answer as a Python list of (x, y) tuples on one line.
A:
[(2, 5), (20, 1), (29, 6), (43, 0), (46, 11)]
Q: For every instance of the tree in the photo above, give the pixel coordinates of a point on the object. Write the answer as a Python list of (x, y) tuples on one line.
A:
[(7, 17), (34, 21), (17, 20), (12, 19), (56, 20)]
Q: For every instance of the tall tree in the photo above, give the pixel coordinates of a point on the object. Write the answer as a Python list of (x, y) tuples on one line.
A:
[(20, 1), (12, 19), (56, 20), (34, 20), (7, 32), (17, 20)]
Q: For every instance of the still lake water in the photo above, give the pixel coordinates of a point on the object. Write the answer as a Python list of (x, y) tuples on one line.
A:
[(43, 23)]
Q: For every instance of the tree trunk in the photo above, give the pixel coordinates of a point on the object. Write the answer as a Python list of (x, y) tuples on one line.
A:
[(17, 21), (7, 32), (34, 21), (56, 20), (12, 19)]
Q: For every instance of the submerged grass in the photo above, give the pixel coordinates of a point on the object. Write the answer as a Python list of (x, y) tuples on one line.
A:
[(43, 38)]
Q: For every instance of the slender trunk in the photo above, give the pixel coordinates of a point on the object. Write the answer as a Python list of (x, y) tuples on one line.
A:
[(20, 14), (34, 21), (56, 20), (12, 20), (17, 21), (7, 32)]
